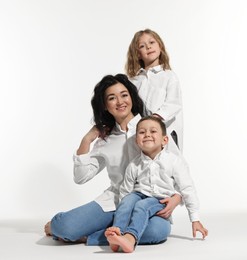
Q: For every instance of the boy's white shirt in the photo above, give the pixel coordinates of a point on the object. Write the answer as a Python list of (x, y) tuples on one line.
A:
[(160, 178)]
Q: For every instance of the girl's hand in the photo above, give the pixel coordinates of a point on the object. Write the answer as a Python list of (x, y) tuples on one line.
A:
[(197, 226), (171, 204)]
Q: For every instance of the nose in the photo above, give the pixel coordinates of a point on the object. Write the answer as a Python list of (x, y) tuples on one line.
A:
[(147, 133), (148, 47), (119, 101)]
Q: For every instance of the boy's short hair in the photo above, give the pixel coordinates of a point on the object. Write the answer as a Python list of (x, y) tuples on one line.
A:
[(156, 119)]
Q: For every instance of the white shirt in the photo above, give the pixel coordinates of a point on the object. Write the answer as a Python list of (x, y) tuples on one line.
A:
[(114, 154), (160, 178), (160, 91)]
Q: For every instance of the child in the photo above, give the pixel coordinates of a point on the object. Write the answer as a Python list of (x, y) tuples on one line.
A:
[(148, 68), (150, 177)]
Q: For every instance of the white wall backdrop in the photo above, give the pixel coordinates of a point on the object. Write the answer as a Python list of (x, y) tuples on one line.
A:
[(53, 52)]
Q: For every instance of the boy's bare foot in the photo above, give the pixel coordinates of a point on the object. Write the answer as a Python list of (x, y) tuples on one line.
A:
[(47, 229), (111, 231), (116, 240)]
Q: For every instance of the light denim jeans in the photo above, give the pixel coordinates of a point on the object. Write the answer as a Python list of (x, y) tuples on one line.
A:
[(91, 221), (133, 213)]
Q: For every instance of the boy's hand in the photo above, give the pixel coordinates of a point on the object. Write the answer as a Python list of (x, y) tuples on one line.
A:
[(171, 204), (197, 226)]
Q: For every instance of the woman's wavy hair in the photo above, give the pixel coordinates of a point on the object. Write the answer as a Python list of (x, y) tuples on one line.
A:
[(134, 64), (103, 120)]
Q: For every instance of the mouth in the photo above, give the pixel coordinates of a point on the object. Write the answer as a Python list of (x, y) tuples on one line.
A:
[(151, 52), (145, 141), (122, 108)]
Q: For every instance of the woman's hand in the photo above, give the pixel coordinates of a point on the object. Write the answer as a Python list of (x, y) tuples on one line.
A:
[(86, 141), (171, 204)]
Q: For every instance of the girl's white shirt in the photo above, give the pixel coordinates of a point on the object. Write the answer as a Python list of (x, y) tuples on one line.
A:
[(114, 153), (161, 93)]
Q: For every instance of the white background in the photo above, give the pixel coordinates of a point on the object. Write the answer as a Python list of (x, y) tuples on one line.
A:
[(53, 52)]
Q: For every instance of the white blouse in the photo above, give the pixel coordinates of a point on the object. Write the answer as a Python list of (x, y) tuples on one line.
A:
[(160, 91), (114, 154)]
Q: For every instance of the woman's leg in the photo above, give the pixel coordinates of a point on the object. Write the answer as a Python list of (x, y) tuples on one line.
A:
[(157, 231), (80, 222)]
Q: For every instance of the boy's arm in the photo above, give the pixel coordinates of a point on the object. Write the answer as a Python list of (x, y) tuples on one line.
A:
[(197, 226), (171, 204)]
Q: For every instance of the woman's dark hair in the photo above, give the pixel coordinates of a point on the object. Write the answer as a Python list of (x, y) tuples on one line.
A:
[(103, 120)]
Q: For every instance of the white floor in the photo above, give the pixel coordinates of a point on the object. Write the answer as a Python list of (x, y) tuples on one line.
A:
[(227, 240)]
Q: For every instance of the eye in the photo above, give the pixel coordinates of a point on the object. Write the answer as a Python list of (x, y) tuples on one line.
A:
[(125, 95), (141, 46), (111, 98)]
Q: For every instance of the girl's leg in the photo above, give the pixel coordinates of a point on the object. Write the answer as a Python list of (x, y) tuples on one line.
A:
[(157, 231), (80, 222)]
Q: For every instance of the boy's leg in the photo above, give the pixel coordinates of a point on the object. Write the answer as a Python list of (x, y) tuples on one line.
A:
[(142, 212), (124, 211)]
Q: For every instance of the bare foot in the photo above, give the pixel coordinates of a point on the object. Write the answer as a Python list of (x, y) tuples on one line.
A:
[(117, 241), (125, 242), (111, 231), (47, 229)]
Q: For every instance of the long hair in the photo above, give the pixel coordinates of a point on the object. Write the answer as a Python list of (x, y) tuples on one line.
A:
[(103, 120), (134, 64)]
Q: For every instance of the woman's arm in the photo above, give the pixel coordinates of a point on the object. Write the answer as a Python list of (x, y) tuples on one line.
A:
[(87, 164), (86, 141)]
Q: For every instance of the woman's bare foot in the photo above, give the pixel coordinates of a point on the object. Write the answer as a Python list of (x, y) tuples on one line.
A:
[(116, 240), (47, 229)]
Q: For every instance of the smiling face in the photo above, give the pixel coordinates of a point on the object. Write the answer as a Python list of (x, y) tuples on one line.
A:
[(150, 138), (149, 50), (118, 102)]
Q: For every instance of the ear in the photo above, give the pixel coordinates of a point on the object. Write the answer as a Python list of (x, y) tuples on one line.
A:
[(165, 140)]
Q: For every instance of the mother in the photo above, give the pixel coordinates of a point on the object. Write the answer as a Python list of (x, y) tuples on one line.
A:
[(117, 108)]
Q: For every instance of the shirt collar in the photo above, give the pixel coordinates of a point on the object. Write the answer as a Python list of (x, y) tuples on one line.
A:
[(154, 69), (132, 123), (146, 158)]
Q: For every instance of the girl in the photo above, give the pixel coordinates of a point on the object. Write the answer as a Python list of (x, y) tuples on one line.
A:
[(148, 68), (117, 108)]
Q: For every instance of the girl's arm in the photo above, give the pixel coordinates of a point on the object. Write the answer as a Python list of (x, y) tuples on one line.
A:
[(172, 103)]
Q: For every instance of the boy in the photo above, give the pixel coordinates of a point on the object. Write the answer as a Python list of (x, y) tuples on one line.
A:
[(150, 177)]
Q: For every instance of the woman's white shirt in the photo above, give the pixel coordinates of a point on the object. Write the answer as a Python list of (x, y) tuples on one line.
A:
[(114, 153)]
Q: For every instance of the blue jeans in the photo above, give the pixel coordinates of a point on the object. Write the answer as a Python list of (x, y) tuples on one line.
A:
[(133, 213), (91, 221)]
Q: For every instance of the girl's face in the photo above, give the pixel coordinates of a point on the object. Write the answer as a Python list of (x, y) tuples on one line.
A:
[(149, 138), (118, 102), (148, 50)]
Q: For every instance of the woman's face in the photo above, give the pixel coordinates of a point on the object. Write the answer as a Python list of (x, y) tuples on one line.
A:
[(118, 102)]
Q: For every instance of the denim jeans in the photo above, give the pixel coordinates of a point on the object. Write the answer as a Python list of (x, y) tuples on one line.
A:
[(91, 221), (133, 213)]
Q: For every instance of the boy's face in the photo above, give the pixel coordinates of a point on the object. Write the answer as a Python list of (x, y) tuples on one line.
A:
[(149, 137)]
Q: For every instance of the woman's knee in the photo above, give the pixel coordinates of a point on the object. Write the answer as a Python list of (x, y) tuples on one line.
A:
[(62, 227), (157, 231)]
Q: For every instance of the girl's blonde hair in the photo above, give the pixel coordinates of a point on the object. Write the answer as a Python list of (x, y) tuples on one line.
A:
[(133, 63)]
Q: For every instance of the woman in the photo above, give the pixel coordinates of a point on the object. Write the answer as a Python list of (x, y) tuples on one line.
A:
[(117, 108)]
